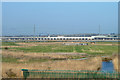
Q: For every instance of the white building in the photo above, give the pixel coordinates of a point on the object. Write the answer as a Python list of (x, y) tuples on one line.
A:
[(59, 38)]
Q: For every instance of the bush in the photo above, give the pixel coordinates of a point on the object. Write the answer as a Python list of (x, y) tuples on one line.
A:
[(6, 48)]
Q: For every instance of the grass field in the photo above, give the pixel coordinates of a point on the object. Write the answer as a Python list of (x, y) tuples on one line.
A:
[(93, 49), (54, 48), (42, 55), (9, 44)]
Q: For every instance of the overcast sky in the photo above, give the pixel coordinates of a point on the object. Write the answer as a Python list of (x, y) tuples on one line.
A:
[(59, 17)]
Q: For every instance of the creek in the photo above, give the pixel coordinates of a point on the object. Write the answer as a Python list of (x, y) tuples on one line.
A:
[(107, 66)]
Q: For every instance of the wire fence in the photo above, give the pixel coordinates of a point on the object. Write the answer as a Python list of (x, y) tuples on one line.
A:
[(68, 74)]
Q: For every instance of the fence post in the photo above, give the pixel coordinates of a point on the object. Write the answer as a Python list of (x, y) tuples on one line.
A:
[(25, 73)]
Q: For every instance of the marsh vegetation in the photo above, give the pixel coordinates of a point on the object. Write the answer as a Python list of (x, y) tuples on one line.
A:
[(51, 55)]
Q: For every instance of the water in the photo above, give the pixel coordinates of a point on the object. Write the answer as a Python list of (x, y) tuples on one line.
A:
[(107, 66), (80, 59)]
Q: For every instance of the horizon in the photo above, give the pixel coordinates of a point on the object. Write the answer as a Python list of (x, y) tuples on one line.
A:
[(71, 35)]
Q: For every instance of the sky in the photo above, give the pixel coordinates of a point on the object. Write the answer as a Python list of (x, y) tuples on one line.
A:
[(18, 18)]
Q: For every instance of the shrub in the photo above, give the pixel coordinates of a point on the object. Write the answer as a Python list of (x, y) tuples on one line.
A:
[(6, 48)]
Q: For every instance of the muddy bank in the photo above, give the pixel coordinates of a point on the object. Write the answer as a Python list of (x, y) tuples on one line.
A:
[(106, 58)]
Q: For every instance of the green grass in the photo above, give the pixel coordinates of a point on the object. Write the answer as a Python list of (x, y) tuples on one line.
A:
[(54, 48), (97, 49), (90, 49), (46, 48), (9, 44), (9, 59)]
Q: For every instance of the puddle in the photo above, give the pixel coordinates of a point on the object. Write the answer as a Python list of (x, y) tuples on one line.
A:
[(107, 66), (80, 59)]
